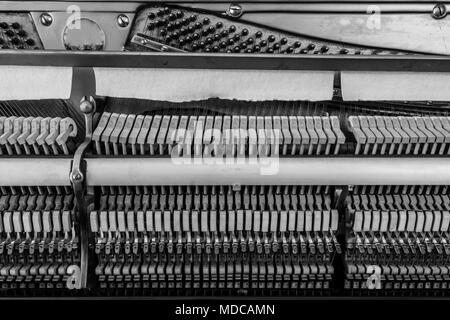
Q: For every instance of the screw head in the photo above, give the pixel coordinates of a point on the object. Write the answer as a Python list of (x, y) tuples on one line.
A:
[(86, 106), (76, 177), (46, 19), (234, 10), (123, 20), (439, 11)]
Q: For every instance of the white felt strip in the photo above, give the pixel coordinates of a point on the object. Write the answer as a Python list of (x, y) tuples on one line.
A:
[(27, 83), (401, 86), (195, 84)]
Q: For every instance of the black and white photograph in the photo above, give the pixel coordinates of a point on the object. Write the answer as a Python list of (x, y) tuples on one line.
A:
[(208, 159)]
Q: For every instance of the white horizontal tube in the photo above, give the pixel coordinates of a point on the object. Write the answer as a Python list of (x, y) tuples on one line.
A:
[(34, 172), (288, 171)]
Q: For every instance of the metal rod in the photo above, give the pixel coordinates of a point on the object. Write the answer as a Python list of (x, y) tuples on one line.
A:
[(416, 63), (338, 6), (282, 171), (34, 172), (222, 1), (77, 177)]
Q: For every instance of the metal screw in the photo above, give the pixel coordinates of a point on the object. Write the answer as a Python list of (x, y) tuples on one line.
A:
[(46, 19), (123, 20), (439, 11), (234, 10), (86, 106), (76, 177)]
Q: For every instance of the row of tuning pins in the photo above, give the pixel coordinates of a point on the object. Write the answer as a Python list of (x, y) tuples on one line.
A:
[(203, 32), (14, 36)]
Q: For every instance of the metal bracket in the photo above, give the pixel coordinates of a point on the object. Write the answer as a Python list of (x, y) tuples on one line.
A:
[(340, 203), (88, 108), (235, 10), (77, 178), (439, 11), (142, 40)]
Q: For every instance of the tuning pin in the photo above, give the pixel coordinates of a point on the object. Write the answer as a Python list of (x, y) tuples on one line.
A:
[(160, 12)]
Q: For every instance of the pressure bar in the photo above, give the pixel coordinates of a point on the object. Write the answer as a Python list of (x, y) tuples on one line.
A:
[(407, 63), (315, 6), (268, 171)]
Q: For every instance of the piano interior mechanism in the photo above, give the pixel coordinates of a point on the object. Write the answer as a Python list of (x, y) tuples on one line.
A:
[(286, 149)]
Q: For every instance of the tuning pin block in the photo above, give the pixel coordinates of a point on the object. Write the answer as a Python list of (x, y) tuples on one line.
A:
[(184, 29)]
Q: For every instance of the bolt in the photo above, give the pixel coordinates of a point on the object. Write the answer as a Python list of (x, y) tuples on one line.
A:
[(46, 19), (234, 10), (439, 11), (123, 20), (86, 106), (76, 176)]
